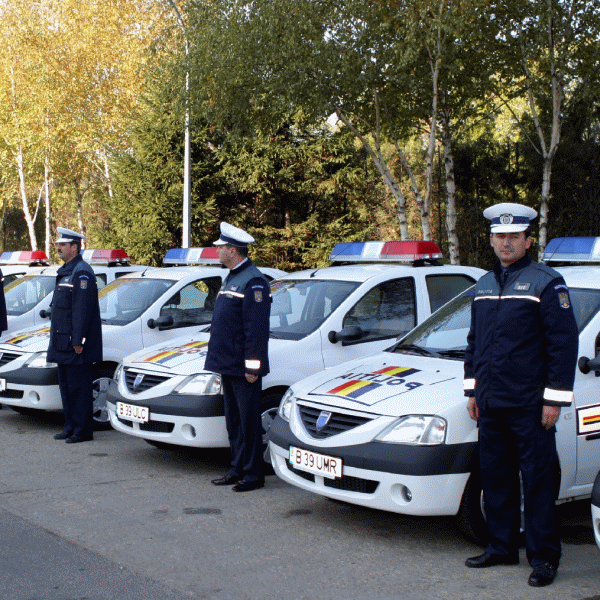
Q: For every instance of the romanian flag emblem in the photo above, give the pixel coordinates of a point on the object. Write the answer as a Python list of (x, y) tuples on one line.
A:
[(588, 419), (354, 389), (163, 357)]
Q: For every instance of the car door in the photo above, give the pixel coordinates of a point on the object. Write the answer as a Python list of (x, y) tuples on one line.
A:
[(187, 309), (382, 313)]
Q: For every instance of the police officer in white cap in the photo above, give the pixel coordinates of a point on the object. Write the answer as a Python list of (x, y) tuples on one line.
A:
[(519, 371), (238, 350), (75, 337)]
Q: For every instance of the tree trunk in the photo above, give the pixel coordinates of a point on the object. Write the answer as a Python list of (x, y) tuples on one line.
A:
[(23, 190), (47, 192), (453, 247)]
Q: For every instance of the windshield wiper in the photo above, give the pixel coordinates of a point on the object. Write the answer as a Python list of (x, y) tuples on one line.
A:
[(454, 353), (414, 349)]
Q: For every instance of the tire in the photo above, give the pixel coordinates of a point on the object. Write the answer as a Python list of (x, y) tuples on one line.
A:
[(100, 412), (471, 516), (270, 404)]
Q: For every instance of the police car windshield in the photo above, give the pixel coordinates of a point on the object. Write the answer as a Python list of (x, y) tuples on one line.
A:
[(445, 332), (124, 300), (24, 294), (301, 306)]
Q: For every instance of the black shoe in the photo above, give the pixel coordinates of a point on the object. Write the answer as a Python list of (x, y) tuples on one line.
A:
[(542, 575), (75, 439), (490, 560), (63, 435), (248, 486), (226, 480)]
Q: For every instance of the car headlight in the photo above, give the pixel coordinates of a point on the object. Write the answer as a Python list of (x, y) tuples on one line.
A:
[(415, 429), (38, 361), (203, 384), (285, 406)]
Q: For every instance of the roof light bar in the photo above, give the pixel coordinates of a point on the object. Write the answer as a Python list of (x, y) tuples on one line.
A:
[(405, 251), (29, 257), (192, 256), (105, 257), (572, 250)]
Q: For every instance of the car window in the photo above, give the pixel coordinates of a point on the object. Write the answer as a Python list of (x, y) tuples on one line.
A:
[(586, 303), (25, 293), (101, 280), (124, 300), (387, 310), (193, 304), (442, 288), (301, 306)]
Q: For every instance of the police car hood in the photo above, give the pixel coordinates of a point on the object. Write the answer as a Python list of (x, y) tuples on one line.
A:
[(185, 355), (32, 339), (387, 384)]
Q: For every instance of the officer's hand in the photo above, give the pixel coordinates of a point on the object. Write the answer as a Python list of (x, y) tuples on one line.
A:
[(473, 408), (78, 349), (550, 415), (250, 378)]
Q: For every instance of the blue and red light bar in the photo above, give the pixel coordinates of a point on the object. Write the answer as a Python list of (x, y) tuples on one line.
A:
[(105, 257), (29, 257), (573, 250), (192, 256), (406, 251)]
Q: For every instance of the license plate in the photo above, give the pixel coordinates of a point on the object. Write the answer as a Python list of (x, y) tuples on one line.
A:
[(311, 462), (131, 412), (2, 385)]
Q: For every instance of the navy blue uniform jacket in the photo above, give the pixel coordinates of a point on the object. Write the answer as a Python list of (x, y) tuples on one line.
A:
[(523, 341), (239, 333), (3, 319), (75, 319)]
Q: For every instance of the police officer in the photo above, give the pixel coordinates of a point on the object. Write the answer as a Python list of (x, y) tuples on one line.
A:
[(75, 337), (519, 372), (237, 349), (3, 319)]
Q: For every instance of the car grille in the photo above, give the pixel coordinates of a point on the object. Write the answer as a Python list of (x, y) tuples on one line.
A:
[(6, 357), (149, 380), (12, 394), (154, 426), (338, 423), (346, 482)]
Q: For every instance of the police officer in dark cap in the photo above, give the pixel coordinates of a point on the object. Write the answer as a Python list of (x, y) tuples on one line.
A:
[(75, 337), (237, 349), (519, 371)]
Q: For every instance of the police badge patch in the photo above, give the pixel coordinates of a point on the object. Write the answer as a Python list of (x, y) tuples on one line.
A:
[(83, 284), (563, 298), (258, 296)]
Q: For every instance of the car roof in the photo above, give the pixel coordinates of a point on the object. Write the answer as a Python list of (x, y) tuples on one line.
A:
[(363, 272)]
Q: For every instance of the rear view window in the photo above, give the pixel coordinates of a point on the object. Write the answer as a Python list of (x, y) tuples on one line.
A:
[(442, 288)]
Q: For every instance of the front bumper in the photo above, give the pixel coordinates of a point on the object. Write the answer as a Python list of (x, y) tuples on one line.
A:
[(32, 388), (178, 419), (414, 480)]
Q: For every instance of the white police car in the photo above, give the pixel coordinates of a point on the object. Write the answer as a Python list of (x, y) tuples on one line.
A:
[(392, 432), (137, 310), (31, 294), (319, 318), (16, 264)]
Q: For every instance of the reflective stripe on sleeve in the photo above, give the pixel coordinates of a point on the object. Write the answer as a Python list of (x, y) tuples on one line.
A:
[(508, 297), (468, 385), (253, 365), (558, 396)]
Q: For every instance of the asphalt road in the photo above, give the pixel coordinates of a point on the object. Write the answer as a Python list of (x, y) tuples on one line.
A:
[(118, 519)]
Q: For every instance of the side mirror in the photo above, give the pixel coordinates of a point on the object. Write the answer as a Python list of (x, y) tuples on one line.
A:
[(162, 322), (348, 334), (45, 314), (586, 364)]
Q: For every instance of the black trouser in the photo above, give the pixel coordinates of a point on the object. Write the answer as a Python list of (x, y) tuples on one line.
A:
[(243, 419), (77, 395), (513, 441)]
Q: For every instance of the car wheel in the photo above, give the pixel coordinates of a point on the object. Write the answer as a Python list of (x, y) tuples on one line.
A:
[(100, 389), (270, 404), (471, 514)]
